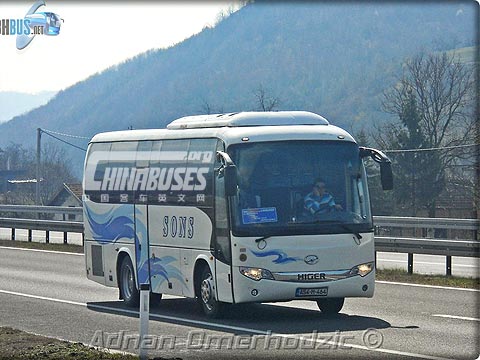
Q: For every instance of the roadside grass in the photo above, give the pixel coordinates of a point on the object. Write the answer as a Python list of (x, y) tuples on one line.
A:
[(400, 275), (16, 344), (42, 246)]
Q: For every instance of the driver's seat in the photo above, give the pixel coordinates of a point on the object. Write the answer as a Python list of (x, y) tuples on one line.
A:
[(298, 201)]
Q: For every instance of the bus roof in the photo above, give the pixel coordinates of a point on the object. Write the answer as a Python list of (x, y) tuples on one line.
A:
[(241, 119), (233, 128)]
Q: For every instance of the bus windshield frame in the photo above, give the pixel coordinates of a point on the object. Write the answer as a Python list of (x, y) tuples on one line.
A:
[(276, 188)]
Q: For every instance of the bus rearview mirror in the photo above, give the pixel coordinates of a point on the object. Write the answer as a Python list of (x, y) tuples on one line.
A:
[(230, 174), (386, 175)]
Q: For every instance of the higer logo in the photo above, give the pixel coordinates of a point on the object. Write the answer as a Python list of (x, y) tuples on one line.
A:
[(310, 276)]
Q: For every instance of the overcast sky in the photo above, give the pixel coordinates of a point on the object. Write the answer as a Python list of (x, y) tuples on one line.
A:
[(94, 36)]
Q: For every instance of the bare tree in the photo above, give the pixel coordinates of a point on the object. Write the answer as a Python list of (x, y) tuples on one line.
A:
[(209, 108), (264, 101), (206, 108), (443, 89), (433, 102), (55, 171)]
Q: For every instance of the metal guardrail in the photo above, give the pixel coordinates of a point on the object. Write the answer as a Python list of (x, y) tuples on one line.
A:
[(445, 247), (41, 209), (45, 225), (422, 222), (464, 248)]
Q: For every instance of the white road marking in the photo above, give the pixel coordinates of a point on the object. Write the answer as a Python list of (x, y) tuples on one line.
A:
[(221, 326), (456, 317), (427, 263), (425, 286), (40, 250)]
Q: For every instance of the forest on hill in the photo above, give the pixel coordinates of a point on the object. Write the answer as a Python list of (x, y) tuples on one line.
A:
[(332, 58)]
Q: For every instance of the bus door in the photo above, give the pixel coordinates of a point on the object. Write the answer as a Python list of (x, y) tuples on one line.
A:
[(142, 245), (222, 249), (142, 254)]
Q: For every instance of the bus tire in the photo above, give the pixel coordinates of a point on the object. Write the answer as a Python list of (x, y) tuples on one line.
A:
[(210, 306), (128, 284), (330, 306)]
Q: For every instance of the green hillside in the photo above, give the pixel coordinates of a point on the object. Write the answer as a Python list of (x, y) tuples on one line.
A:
[(332, 58)]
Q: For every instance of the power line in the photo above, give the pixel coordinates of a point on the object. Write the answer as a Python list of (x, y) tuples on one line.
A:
[(66, 142), (430, 149), (67, 135)]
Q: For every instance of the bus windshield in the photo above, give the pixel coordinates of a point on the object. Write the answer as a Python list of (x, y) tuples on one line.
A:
[(299, 187)]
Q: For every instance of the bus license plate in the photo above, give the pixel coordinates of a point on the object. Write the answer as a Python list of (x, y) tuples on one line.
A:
[(300, 292)]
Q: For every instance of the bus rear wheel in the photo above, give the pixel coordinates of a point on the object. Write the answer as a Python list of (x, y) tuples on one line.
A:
[(211, 307), (330, 306), (128, 285)]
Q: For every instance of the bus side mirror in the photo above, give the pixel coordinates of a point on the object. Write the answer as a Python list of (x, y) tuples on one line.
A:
[(386, 175), (230, 175)]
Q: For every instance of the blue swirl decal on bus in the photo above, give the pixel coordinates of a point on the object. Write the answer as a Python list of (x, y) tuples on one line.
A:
[(282, 258), (141, 249), (113, 225), (118, 224), (161, 270)]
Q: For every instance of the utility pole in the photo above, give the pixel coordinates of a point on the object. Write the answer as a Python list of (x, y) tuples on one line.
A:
[(37, 184)]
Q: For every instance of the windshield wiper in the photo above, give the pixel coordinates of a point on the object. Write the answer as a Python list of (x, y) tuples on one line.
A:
[(331, 222), (263, 238)]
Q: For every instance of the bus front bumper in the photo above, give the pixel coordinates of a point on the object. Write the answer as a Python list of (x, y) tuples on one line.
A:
[(265, 290)]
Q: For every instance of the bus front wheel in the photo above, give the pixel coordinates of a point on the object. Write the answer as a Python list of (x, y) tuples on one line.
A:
[(128, 285), (330, 306), (211, 307)]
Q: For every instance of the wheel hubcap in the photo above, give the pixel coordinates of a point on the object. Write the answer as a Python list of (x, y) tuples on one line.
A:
[(128, 282), (206, 292)]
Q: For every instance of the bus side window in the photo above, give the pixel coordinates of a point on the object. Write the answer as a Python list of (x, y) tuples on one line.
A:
[(155, 156), (102, 150), (143, 154), (200, 166), (102, 164), (122, 154)]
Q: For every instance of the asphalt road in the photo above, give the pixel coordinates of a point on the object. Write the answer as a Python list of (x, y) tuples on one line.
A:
[(424, 264), (47, 293)]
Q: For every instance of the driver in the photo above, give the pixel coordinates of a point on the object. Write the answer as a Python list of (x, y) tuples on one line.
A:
[(319, 201)]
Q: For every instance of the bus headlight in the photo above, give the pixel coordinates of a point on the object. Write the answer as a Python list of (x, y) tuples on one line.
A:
[(362, 269), (256, 273)]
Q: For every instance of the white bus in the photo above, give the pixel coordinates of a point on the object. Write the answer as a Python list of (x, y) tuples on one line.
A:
[(232, 208)]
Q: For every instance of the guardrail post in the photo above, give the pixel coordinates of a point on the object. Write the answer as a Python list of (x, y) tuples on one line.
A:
[(65, 237), (410, 263), (47, 237), (29, 235), (13, 234), (449, 265)]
